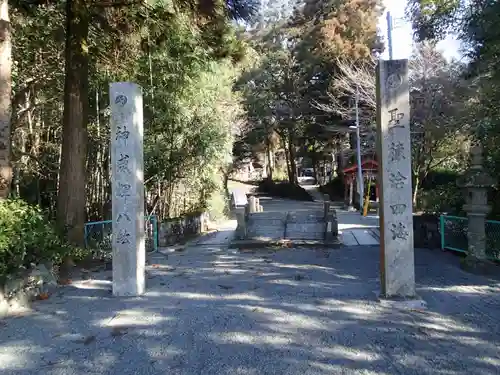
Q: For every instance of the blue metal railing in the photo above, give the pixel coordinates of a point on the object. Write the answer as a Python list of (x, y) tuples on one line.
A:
[(454, 235), (98, 234)]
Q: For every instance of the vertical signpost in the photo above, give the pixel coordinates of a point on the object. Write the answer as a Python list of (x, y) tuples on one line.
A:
[(397, 273), (127, 177)]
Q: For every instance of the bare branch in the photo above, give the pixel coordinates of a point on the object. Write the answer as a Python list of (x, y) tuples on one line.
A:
[(354, 77)]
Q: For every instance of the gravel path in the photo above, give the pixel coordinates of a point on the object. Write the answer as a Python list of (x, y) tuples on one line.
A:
[(210, 310)]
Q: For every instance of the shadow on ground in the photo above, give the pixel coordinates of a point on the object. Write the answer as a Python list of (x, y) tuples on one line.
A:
[(214, 311)]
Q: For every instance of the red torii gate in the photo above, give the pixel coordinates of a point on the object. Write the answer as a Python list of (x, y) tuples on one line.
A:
[(370, 171)]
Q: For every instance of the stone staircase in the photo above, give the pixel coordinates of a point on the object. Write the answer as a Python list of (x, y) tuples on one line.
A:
[(317, 227)]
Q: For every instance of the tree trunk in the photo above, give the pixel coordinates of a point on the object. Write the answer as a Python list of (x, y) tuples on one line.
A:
[(416, 186), (72, 175), (287, 158), (314, 159), (340, 165), (225, 183), (5, 100), (293, 163), (415, 192), (269, 159)]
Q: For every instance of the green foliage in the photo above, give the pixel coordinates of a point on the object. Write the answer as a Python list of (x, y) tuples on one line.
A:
[(294, 72), (432, 19), (440, 193), (186, 65), (447, 198), (218, 205), (335, 189), (280, 174), (439, 177), (26, 238), (284, 190)]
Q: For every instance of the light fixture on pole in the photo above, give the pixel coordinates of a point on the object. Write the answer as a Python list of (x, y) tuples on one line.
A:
[(392, 23), (358, 151)]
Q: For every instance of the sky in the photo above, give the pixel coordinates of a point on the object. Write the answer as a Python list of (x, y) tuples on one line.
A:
[(402, 34)]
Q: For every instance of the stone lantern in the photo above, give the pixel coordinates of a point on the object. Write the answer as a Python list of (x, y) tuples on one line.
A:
[(476, 182)]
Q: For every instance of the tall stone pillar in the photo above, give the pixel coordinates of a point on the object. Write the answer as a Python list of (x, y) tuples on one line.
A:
[(127, 177), (397, 268), (476, 183)]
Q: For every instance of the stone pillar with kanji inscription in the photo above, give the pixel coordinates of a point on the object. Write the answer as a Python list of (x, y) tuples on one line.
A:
[(127, 178), (397, 268)]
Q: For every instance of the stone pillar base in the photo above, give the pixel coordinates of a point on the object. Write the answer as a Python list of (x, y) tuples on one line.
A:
[(241, 228), (410, 302), (478, 266)]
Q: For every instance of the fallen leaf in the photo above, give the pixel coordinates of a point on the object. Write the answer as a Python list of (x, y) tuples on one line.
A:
[(43, 296)]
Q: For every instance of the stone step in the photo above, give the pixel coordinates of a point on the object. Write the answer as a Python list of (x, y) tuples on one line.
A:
[(305, 231), (293, 225), (268, 215), (305, 236), (266, 232), (305, 217)]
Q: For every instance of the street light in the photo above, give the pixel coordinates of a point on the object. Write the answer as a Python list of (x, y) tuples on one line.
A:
[(392, 23), (358, 151)]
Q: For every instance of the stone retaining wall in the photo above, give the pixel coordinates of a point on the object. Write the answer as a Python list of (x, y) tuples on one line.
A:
[(177, 229), (426, 231), (18, 292)]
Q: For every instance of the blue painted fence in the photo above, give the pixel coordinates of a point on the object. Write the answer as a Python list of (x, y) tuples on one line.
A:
[(454, 235), (98, 234)]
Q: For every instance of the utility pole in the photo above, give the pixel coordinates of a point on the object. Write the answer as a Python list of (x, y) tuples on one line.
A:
[(361, 186), (392, 23), (358, 149), (389, 33)]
